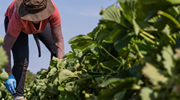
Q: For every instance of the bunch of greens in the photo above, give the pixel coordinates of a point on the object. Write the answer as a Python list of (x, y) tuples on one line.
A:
[(133, 54), (3, 75)]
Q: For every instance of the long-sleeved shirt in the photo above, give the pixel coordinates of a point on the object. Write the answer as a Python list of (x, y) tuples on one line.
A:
[(16, 25)]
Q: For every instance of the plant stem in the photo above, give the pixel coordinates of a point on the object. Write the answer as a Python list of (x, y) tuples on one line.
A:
[(107, 67), (147, 34), (170, 37), (124, 25), (170, 17), (118, 68), (108, 76), (110, 54), (138, 51), (148, 39), (113, 58)]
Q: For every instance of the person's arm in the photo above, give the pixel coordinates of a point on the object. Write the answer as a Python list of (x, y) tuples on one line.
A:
[(12, 32), (58, 39), (55, 22), (7, 45)]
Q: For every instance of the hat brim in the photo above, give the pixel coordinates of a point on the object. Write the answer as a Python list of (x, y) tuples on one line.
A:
[(41, 15)]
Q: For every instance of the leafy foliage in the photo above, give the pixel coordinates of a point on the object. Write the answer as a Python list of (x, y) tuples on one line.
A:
[(133, 53), (3, 75), (30, 76)]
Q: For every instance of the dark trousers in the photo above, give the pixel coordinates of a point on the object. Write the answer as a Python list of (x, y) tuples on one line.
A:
[(20, 51)]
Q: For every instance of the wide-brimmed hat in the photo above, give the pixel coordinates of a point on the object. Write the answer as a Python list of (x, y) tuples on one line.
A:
[(34, 10)]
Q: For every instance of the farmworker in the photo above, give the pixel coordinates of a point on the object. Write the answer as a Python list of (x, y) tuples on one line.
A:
[(24, 17)]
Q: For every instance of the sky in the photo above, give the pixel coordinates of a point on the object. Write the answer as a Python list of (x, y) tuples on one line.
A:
[(77, 17)]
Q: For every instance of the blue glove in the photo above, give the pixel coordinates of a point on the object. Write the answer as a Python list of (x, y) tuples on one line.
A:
[(11, 84)]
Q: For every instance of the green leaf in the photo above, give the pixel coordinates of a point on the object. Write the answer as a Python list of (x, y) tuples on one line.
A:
[(0, 94), (161, 23), (120, 95), (78, 53), (122, 40), (129, 8), (54, 63), (100, 36), (110, 81), (43, 87), (69, 55), (83, 46), (60, 88), (148, 2), (2, 87), (150, 7), (178, 42), (145, 26), (52, 72), (145, 93), (43, 71), (153, 74), (113, 34), (64, 75), (166, 30), (42, 96), (67, 96), (1, 40), (174, 2), (99, 33), (131, 72), (80, 38), (167, 54), (94, 49), (136, 27), (135, 70), (118, 86), (95, 31), (4, 59), (93, 97), (69, 86), (169, 17), (3, 76), (111, 63), (38, 88), (112, 13)]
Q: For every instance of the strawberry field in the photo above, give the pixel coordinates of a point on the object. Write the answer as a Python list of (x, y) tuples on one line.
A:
[(133, 54)]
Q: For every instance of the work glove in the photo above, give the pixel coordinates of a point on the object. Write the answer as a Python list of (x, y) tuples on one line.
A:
[(11, 84)]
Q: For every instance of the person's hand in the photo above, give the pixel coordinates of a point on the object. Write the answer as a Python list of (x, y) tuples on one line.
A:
[(61, 59), (11, 84)]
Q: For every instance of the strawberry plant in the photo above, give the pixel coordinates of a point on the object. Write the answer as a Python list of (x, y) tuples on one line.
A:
[(3, 75), (132, 54)]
